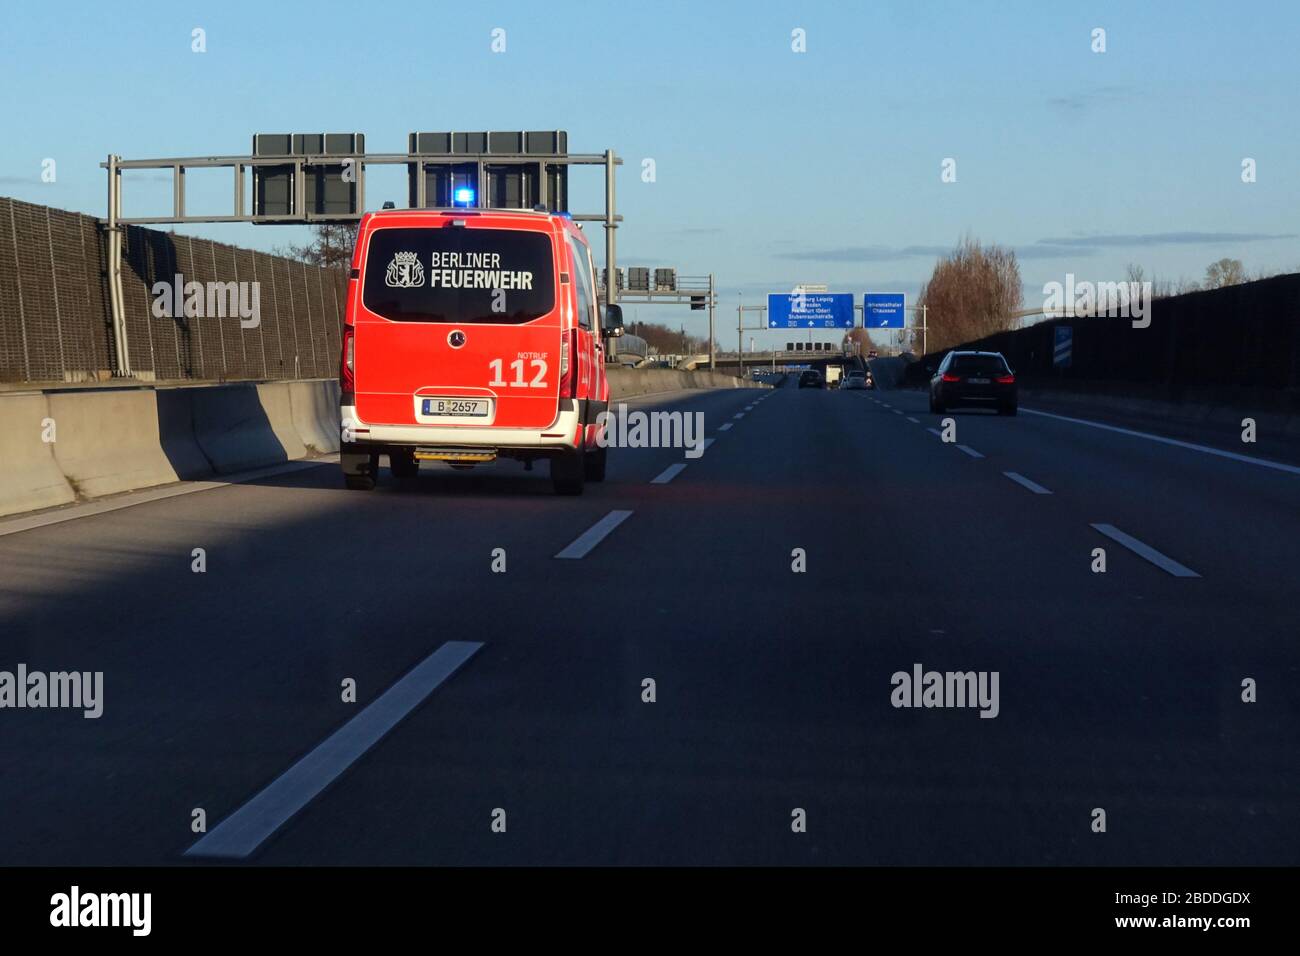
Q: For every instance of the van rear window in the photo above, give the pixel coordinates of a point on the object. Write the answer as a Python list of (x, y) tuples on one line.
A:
[(459, 275)]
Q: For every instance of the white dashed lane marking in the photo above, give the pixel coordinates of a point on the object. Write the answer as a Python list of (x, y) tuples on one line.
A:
[(1021, 480), (248, 827), (1145, 550), (668, 474), (597, 532)]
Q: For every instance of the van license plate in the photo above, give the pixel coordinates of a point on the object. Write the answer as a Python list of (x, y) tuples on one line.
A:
[(456, 407)]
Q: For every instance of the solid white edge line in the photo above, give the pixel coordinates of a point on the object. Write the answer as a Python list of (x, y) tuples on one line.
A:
[(1145, 550), (583, 544), (1204, 449), (247, 828), (131, 499), (970, 451), (1024, 482)]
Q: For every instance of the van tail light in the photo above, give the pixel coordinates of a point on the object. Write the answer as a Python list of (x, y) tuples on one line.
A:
[(568, 374), (347, 366), (949, 377), (1006, 380)]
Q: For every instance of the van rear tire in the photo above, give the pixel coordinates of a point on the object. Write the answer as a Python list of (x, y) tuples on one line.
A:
[(569, 472), (359, 468), (403, 464), (594, 464)]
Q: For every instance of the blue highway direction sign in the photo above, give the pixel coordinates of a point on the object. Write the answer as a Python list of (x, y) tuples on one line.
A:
[(810, 310), (883, 311)]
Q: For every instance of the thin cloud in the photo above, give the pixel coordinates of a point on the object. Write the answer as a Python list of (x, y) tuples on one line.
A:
[(1081, 101), (761, 288), (864, 254), (1163, 239), (1044, 249)]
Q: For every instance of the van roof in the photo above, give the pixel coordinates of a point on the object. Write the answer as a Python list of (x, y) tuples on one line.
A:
[(463, 211), (536, 216)]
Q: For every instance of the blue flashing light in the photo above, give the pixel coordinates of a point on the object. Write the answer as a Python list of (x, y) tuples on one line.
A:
[(463, 196)]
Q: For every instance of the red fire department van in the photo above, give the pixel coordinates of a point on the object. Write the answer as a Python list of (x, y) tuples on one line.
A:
[(472, 335)]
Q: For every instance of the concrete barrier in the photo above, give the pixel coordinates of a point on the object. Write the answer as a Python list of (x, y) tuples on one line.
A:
[(110, 441), (235, 430), (278, 407), (29, 476), (176, 433), (630, 382), (328, 414), (315, 408)]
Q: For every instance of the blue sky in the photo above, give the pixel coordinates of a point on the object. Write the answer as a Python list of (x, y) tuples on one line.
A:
[(773, 167)]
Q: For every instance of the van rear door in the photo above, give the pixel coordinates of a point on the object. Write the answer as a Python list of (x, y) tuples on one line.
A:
[(459, 323)]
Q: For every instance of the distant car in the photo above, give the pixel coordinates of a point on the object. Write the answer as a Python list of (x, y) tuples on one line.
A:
[(811, 378), (974, 379), (855, 379), (873, 354)]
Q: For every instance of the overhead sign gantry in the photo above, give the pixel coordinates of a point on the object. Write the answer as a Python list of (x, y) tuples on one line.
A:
[(306, 178)]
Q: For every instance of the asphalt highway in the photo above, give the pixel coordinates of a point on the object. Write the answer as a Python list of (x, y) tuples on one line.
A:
[(501, 716)]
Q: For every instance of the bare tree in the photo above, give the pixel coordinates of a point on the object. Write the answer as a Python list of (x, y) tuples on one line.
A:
[(330, 246), (860, 338), (1223, 273), (973, 292), (669, 341)]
